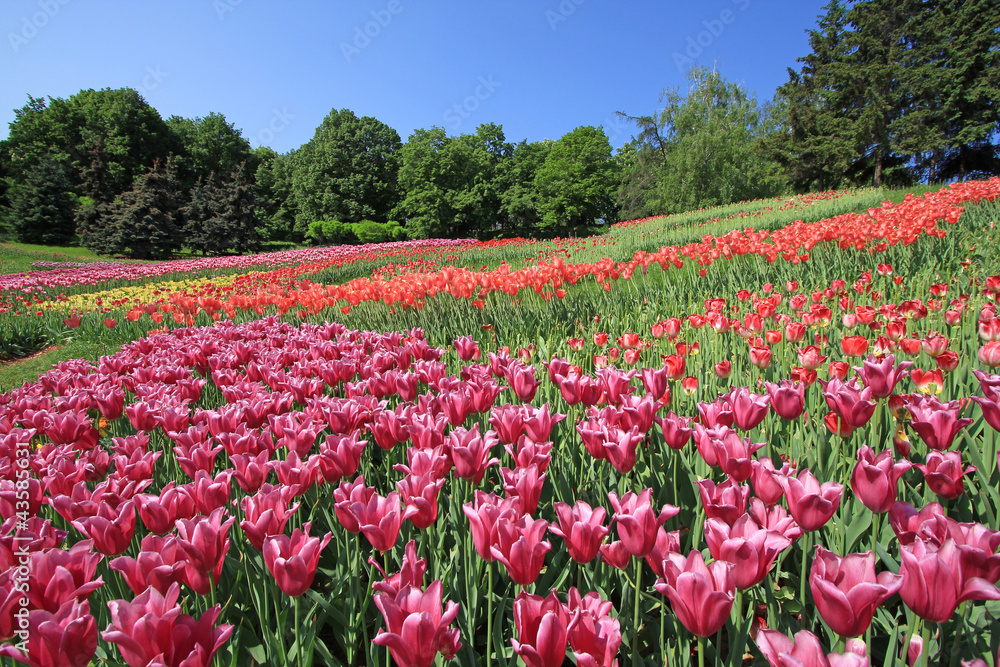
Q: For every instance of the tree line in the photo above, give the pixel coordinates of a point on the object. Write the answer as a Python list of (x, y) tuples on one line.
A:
[(893, 92)]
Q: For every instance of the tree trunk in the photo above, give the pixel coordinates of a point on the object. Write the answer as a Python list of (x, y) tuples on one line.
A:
[(878, 168)]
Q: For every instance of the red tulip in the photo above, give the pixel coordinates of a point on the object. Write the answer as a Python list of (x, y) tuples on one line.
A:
[(701, 595), (542, 630), (582, 527), (810, 357), (847, 592), (875, 480), (723, 369), (854, 346), (811, 504), (931, 382), (749, 547), (934, 581), (760, 357), (637, 521), (292, 560)]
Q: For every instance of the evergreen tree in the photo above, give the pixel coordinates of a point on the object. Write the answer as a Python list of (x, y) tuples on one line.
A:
[(95, 200), (144, 222), (221, 216), (42, 206)]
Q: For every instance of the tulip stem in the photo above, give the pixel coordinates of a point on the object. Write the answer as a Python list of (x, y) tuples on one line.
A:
[(298, 637), (701, 651), (802, 581), (635, 614), (489, 613)]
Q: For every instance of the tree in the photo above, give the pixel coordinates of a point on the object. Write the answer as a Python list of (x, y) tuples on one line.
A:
[(42, 206), (278, 206), (577, 182), (221, 216), (132, 133), (144, 223), (210, 145), (347, 172), (519, 198)]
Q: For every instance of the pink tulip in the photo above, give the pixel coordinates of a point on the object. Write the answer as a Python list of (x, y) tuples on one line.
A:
[(524, 486), (380, 519), (701, 595), (582, 528), (935, 422), (595, 636), (637, 521), (804, 651), (205, 539), (266, 513), (161, 562), (416, 629), (733, 454), (675, 430), (749, 547), (543, 626), (875, 480), (944, 473), (847, 592), (882, 376), (851, 402), (764, 478), (787, 398), (484, 513), (64, 638), (470, 452), (810, 503), (934, 581), (726, 501), (520, 547), (749, 409), (346, 497), (292, 560)]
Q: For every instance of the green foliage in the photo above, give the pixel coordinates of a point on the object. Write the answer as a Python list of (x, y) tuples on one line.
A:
[(145, 222), (893, 92), (331, 232), (576, 183), (278, 205), (210, 145), (42, 207), (347, 171), (702, 149), (221, 217)]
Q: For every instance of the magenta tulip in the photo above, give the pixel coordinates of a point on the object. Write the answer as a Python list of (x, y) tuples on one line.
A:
[(875, 480), (701, 595), (847, 592)]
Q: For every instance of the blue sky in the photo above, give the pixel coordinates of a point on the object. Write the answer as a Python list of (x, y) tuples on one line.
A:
[(275, 69)]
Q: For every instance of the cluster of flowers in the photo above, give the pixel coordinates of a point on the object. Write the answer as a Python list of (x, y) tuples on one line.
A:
[(96, 273)]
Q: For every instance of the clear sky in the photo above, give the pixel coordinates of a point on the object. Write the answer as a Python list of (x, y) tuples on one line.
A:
[(275, 69)]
